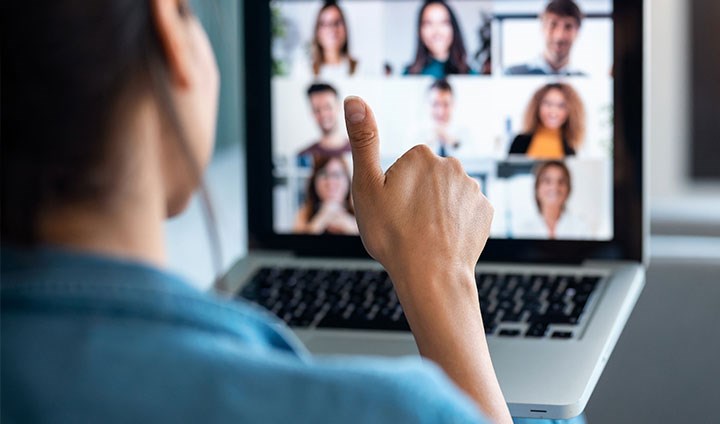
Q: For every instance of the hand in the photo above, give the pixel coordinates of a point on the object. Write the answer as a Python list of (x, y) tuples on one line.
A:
[(344, 223), (427, 222), (329, 210), (324, 217), (424, 215)]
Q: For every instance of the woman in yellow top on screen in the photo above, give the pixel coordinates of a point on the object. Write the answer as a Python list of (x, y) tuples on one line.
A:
[(440, 47), (331, 57), (554, 124)]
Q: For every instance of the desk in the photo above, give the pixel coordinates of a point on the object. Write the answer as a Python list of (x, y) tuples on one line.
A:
[(665, 367)]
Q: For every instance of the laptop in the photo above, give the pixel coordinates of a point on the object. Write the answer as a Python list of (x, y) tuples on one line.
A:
[(558, 152)]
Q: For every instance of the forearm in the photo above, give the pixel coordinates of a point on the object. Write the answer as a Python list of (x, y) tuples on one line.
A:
[(446, 322)]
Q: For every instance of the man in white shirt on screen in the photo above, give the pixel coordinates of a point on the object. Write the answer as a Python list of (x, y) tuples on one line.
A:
[(561, 23), (441, 132)]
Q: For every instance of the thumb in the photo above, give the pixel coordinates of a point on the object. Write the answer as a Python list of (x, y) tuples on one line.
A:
[(363, 135)]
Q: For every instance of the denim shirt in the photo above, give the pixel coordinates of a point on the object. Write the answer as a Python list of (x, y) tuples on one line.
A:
[(94, 339)]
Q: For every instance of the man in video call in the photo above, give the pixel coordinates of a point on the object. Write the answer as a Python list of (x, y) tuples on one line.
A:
[(442, 139), (561, 22), (325, 105)]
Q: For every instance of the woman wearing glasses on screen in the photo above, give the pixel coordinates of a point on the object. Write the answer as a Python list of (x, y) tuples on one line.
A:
[(553, 185), (328, 207), (440, 46), (330, 54), (554, 124)]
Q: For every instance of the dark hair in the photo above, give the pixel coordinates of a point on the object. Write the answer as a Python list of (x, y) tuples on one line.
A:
[(312, 202), (441, 85), (565, 8), (457, 61), (541, 168), (321, 88), (69, 69), (318, 55)]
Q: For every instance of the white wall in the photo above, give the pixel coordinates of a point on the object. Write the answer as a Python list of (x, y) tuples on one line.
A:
[(673, 197), (188, 246)]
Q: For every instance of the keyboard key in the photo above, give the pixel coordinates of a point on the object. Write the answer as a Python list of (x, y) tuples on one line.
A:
[(511, 317), (537, 329), (509, 332), (557, 308), (561, 334), (553, 319)]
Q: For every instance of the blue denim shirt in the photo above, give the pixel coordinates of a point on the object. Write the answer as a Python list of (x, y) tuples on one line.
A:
[(93, 339)]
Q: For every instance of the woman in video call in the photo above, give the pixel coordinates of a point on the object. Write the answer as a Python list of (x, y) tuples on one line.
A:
[(553, 185), (554, 124), (440, 47), (328, 207), (331, 57), (108, 126)]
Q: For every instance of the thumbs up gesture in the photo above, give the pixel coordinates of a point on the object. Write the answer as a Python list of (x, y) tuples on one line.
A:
[(427, 222), (424, 214)]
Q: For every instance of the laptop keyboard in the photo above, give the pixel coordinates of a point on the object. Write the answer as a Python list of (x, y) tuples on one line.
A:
[(512, 305)]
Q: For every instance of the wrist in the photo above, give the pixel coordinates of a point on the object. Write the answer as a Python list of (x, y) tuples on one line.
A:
[(449, 286)]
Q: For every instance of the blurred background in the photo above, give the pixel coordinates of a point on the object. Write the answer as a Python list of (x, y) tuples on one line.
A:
[(665, 367)]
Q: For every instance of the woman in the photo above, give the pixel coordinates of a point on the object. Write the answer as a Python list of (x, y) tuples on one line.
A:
[(331, 58), (107, 127), (440, 48), (328, 207), (553, 185), (554, 124)]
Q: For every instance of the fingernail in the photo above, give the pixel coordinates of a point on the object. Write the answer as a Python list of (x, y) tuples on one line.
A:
[(354, 110)]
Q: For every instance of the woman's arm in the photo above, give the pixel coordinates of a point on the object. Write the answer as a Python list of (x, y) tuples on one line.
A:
[(427, 222)]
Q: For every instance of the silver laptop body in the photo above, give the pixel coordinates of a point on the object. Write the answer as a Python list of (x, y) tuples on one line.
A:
[(541, 377)]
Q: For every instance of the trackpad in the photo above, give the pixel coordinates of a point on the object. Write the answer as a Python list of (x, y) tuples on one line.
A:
[(359, 343)]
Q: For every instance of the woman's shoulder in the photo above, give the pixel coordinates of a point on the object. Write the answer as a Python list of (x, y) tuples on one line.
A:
[(521, 143), (567, 147), (382, 390)]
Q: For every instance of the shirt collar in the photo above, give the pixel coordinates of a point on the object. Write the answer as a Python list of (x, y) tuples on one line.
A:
[(540, 63)]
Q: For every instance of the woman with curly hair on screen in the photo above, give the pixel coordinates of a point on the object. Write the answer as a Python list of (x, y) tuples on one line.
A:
[(554, 124)]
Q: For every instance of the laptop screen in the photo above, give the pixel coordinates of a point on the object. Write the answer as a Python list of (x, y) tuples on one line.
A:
[(520, 91)]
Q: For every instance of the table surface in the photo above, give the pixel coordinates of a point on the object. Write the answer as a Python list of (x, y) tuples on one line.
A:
[(666, 365)]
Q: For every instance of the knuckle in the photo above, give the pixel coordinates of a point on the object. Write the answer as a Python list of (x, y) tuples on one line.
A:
[(487, 206), (362, 136), (422, 150), (456, 165)]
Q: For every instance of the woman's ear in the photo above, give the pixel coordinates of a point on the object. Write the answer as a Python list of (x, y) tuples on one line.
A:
[(171, 29)]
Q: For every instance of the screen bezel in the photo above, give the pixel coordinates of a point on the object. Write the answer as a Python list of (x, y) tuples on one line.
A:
[(629, 231)]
